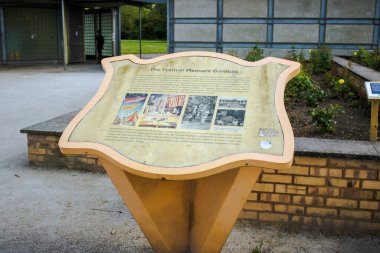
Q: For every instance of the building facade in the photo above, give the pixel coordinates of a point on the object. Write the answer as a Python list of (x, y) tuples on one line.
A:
[(57, 30), (275, 25)]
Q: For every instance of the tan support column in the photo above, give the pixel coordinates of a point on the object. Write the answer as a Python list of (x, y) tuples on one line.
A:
[(374, 120), (185, 215)]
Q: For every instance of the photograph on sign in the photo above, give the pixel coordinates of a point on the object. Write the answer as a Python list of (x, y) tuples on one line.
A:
[(130, 109), (162, 111), (199, 112), (230, 118), (232, 102)]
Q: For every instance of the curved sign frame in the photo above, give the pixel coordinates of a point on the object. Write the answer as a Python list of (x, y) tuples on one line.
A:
[(197, 171)]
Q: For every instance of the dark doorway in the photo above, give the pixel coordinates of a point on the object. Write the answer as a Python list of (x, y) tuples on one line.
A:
[(95, 20)]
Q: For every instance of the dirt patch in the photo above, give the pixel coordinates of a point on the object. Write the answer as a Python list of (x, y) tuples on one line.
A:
[(353, 124)]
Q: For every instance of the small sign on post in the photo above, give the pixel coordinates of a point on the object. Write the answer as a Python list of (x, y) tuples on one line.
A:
[(184, 137), (373, 94)]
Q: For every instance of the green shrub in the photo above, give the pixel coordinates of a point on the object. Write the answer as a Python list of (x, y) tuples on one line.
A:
[(320, 59), (255, 54), (303, 87), (325, 117), (232, 53), (342, 88), (293, 56), (368, 59)]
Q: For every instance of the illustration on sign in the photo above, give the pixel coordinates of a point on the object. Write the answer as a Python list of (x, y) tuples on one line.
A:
[(129, 111), (162, 111)]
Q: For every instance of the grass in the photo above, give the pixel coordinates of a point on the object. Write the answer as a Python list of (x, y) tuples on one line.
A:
[(148, 47)]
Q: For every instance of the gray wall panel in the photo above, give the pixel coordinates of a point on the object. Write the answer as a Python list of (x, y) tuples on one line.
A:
[(244, 33), (351, 8), (293, 33), (297, 8), (245, 8), (195, 32), (195, 8), (349, 34)]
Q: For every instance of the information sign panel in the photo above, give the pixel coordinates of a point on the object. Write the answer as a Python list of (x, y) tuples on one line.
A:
[(373, 90), (187, 113)]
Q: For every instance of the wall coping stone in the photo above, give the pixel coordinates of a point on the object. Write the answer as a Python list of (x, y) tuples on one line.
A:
[(312, 147), (364, 72)]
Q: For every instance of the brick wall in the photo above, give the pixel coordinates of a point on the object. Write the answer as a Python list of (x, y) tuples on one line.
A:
[(43, 151), (327, 193), (319, 192)]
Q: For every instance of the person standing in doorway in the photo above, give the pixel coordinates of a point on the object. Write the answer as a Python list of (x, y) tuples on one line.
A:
[(99, 42)]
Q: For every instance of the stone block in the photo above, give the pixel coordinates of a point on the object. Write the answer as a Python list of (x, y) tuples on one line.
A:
[(310, 161), (317, 171), (195, 32), (274, 178), (310, 180), (296, 170), (289, 209), (245, 8), (351, 8), (373, 205), (277, 198), (195, 8), (290, 189), (295, 33), (244, 33), (273, 217), (325, 212), (346, 203), (323, 191), (248, 215), (257, 206), (364, 215), (296, 8), (351, 34), (259, 187), (369, 184), (308, 200)]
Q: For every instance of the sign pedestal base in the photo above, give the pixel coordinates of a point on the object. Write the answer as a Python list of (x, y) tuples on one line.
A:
[(185, 215)]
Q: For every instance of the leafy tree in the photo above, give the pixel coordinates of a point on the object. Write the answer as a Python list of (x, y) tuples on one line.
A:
[(153, 22)]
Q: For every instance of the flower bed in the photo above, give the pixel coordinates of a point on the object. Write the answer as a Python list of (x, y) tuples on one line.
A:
[(325, 100)]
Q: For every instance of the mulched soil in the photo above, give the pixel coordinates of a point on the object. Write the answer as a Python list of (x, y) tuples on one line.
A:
[(353, 124)]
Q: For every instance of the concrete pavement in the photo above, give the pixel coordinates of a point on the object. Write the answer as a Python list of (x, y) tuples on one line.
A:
[(55, 210)]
